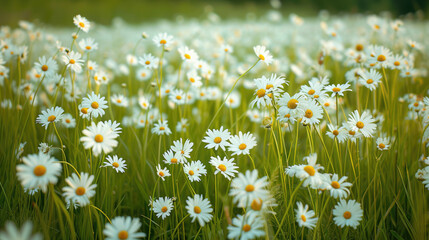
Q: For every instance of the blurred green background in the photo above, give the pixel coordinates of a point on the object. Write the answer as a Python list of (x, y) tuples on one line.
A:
[(60, 12)]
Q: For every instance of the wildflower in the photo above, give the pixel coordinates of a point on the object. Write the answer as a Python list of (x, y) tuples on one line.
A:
[(337, 133), (45, 148), (199, 208), (225, 167), (379, 56), (247, 187), (246, 227), (38, 171), (123, 228), (194, 170), (161, 128), (82, 23), (178, 96), (68, 121), (163, 40), (383, 144), (100, 138), (88, 45), (217, 138), (363, 124), (51, 115), (263, 54), (46, 66), (162, 207), (370, 79), (184, 149), (338, 89), (162, 172), (347, 213), (79, 190), (312, 112), (290, 107), (119, 100), (116, 163), (149, 61), (171, 157), (73, 61), (304, 217), (338, 188), (95, 105), (241, 143), (308, 173), (188, 55)]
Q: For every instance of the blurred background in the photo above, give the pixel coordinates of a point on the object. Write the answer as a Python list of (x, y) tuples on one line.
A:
[(61, 12)]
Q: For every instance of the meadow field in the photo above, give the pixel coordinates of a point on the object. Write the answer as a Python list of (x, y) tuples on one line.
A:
[(268, 126)]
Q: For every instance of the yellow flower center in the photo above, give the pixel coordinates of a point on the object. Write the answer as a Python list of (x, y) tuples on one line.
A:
[(246, 227), (381, 145), (311, 92), (292, 104), (242, 146), (197, 209), (269, 86), (217, 140), (187, 56), (256, 204), (303, 218), (45, 68), (178, 97), (347, 215), (173, 160), (72, 61), (88, 47), (39, 170), (161, 174), (68, 121), (396, 63), (222, 167), (51, 118), (82, 25), (163, 41), (80, 191), (381, 58), (351, 132), (115, 164), (310, 170), (147, 62), (336, 89), (327, 104), (261, 57), (369, 81), (84, 110), (250, 188), (360, 124), (98, 138), (335, 132), (308, 113), (123, 235), (287, 115), (261, 93), (94, 105), (164, 209), (359, 47), (335, 184), (191, 172), (162, 128)]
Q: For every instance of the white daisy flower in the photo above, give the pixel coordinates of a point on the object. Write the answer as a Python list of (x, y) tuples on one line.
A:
[(363, 124), (383, 143), (100, 138), (46, 66), (68, 121), (347, 213), (171, 157), (199, 209), (79, 190), (116, 163), (88, 45), (162, 207), (338, 188), (184, 149), (187, 54), (123, 228), (290, 107), (337, 133), (370, 79), (163, 40), (119, 100), (225, 167), (263, 54), (51, 115), (38, 171), (95, 105), (338, 89), (73, 61), (161, 128), (241, 143), (246, 227), (149, 61), (162, 172), (304, 217), (194, 170), (82, 23), (313, 112), (217, 138), (247, 187)]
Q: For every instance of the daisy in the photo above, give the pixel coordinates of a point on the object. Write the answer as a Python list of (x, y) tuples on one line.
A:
[(73, 61), (194, 79), (352, 134), (199, 208), (188, 55), (51, 115), (369, 79), (315, 89), (116, 163), (194, 170), (119, 100), (338, 188), (163, 40), (88, 45), (161, 128), (149, 61), (38, 171), (398, 62), (304, 217), (225, 167), (84, 112), (163, 207), (262, 204), (46, 67), (263, 54), (383, 143), (162, 172), (337, 133), (246, 227), (79, 190), (123, 228), (45, 148), (171, 157), (309, 173), (184, 149), (290, 107), (347, 213), (143, 74), (144, 103), (379, 56), (68, 121), (100, 138), (312, 112), (363, 124), (233, 100), (241, 143), (217, 138), (338, 89), (95, 105), (82, 23), (263, 95), (247, 187), (25, 233), (177, 96)]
